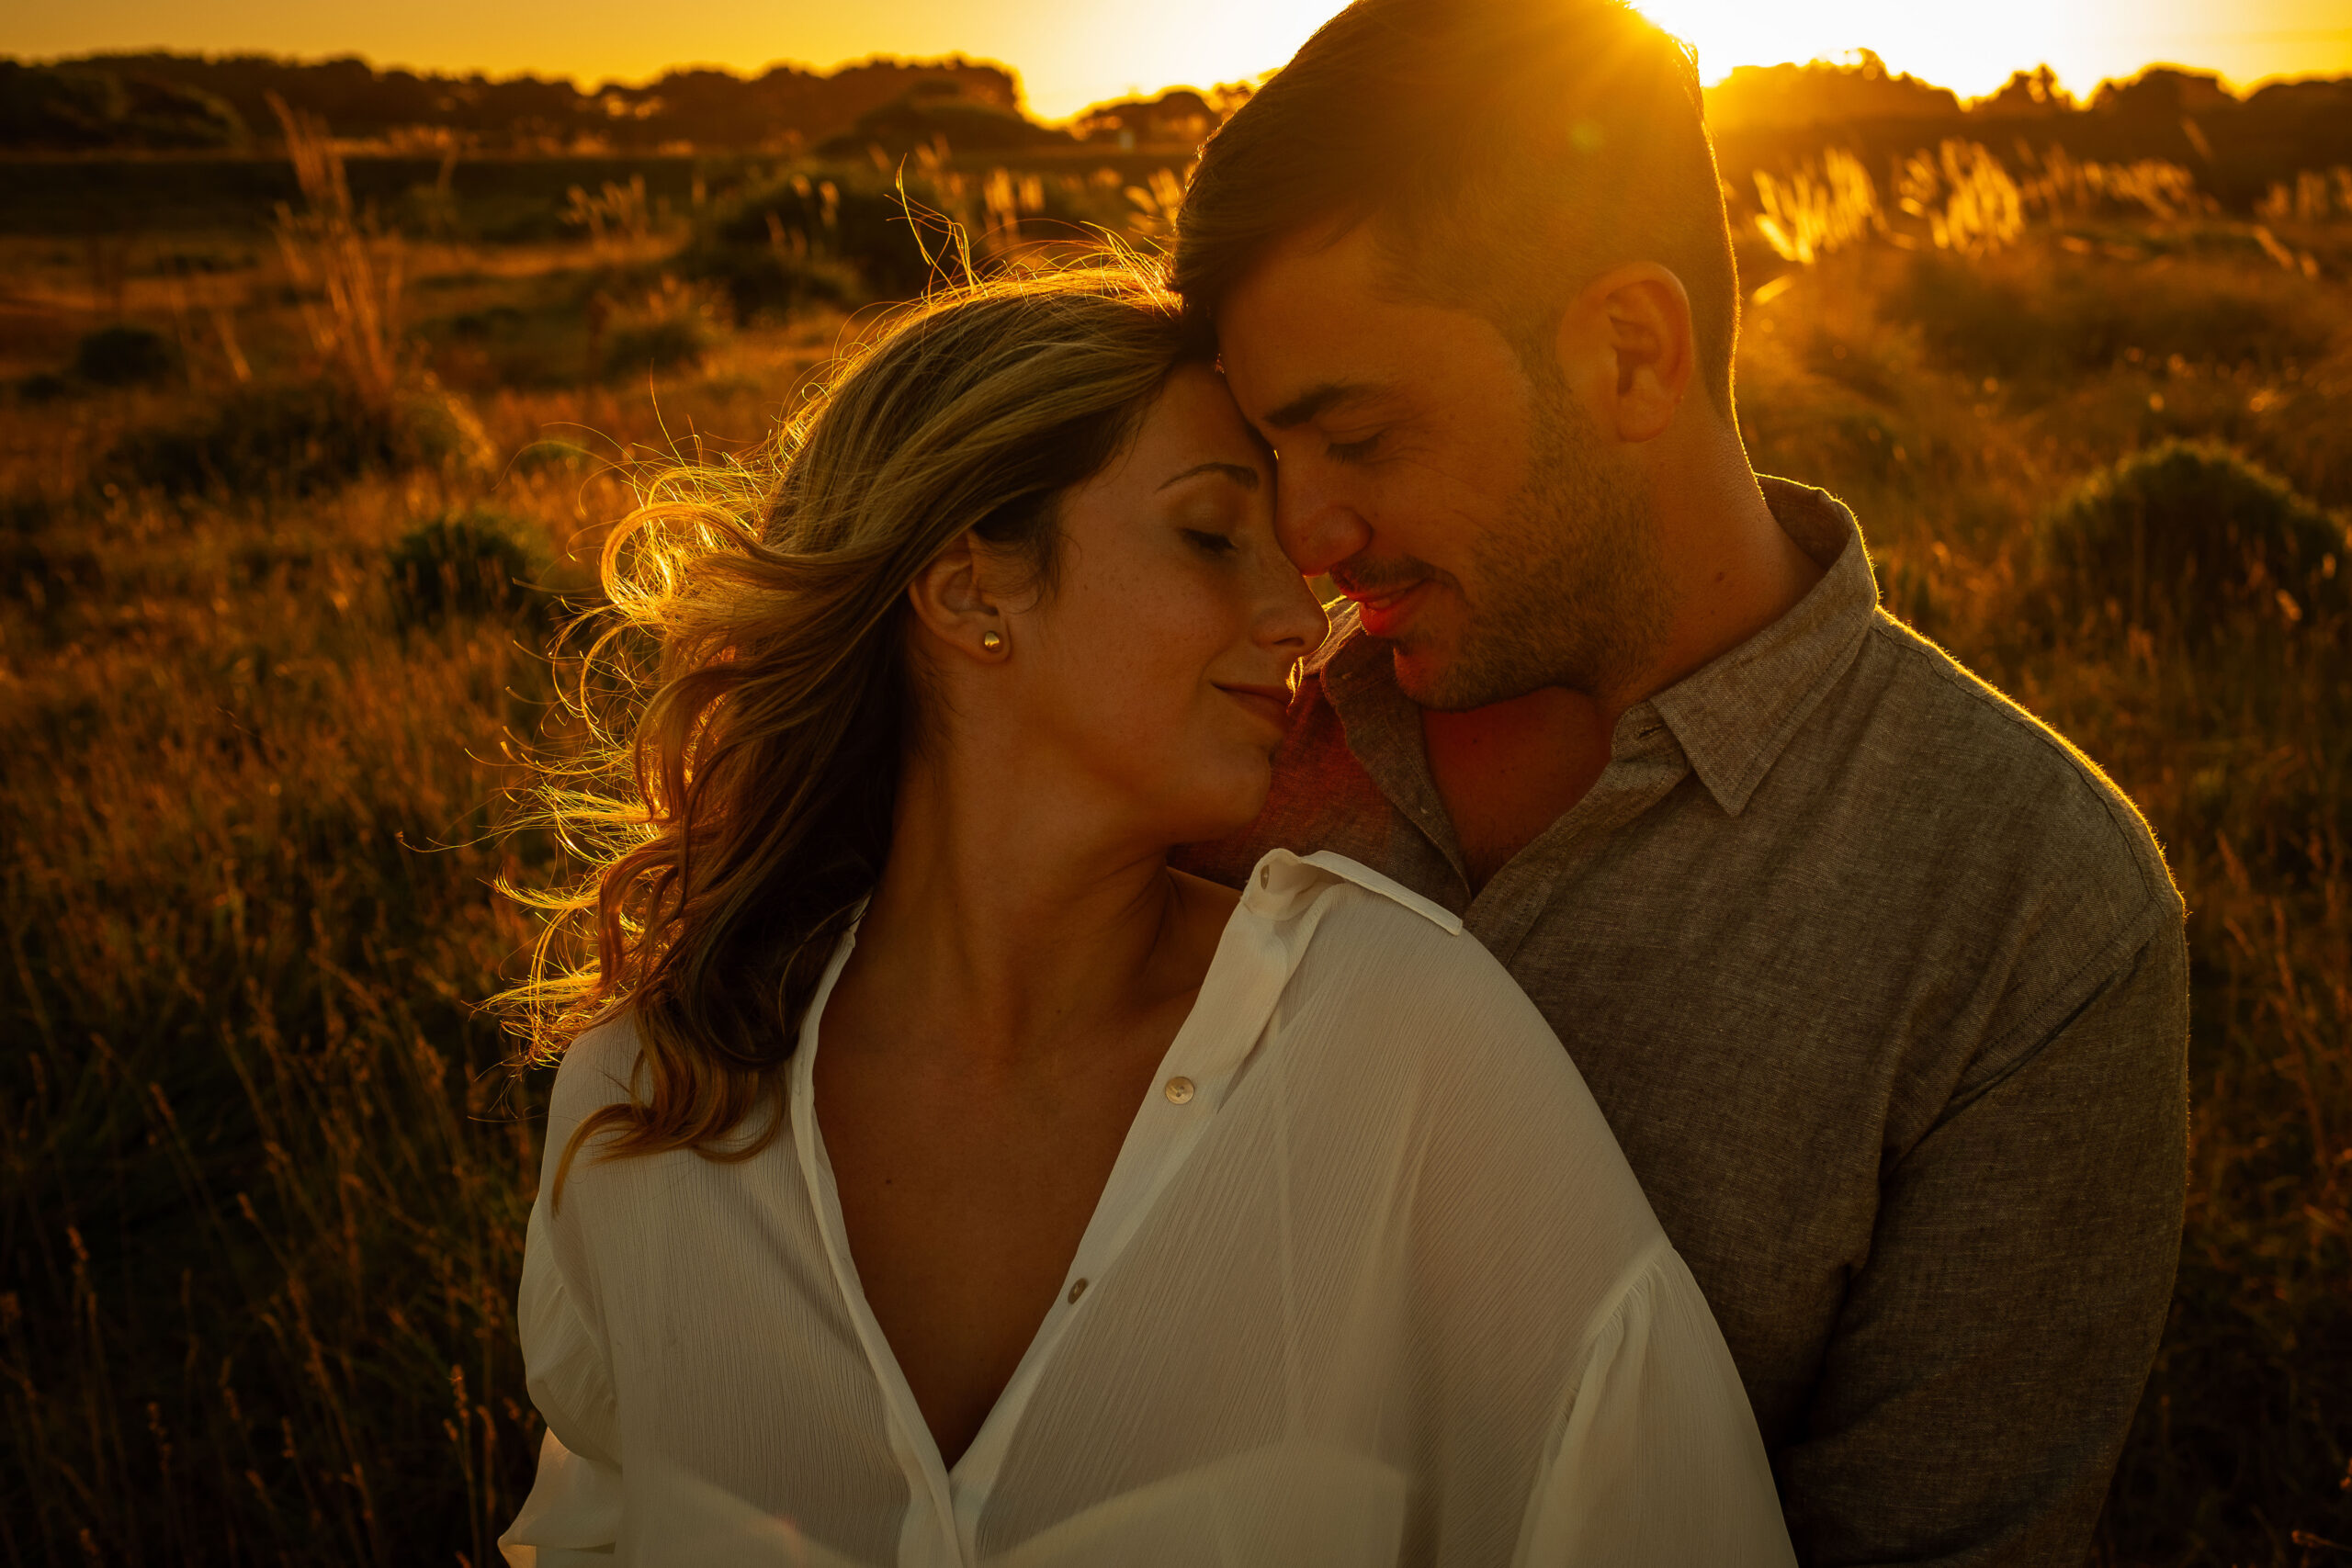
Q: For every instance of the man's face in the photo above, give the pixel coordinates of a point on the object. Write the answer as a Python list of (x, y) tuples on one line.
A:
[(1486, 526)]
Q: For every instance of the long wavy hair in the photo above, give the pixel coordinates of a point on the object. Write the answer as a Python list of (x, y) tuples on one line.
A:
[(747, 700)]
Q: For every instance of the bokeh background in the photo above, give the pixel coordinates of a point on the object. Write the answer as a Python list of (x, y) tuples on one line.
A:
[(321, 382)]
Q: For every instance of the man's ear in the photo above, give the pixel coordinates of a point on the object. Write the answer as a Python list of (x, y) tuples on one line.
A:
[(1627, 342), (953, 600)]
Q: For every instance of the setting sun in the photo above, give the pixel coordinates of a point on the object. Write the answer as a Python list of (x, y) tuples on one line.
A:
[(2085, 41)]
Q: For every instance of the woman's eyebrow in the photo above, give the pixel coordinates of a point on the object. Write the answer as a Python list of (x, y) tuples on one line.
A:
[(1240, 473)]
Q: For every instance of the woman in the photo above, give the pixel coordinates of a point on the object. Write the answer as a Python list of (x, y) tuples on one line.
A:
[(945, 1181)]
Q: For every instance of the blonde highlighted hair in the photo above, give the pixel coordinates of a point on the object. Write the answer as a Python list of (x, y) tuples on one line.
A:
[(749, 698)]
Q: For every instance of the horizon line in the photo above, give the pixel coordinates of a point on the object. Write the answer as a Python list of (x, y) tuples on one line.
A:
[(957, 57)]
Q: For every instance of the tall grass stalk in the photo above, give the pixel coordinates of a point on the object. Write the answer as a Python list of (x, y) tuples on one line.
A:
[(354, 328)]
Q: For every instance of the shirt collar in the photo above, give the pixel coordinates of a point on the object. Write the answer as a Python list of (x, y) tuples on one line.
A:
[(1733, 716)]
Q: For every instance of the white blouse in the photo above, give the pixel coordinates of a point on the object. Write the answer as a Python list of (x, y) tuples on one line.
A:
[(1370, 1284)]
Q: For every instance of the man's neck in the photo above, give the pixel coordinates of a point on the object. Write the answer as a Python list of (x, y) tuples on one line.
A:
[(1508, 771), (1735, 571)]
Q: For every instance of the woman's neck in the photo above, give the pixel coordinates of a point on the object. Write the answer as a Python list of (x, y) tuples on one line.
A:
[(1021, 912)]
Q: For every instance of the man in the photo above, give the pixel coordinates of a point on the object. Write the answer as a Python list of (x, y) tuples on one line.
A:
[(1881, 984)]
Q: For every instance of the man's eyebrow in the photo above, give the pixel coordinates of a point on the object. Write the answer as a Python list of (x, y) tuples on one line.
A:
[(1314, 400), (1240, 473)]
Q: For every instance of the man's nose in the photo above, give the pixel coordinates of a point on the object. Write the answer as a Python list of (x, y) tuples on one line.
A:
[(1319, 528)]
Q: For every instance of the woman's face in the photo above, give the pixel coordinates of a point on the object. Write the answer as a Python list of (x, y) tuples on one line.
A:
[(1158, 669)]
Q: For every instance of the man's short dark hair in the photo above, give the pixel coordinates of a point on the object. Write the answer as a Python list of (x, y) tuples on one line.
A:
[(1507, 151)]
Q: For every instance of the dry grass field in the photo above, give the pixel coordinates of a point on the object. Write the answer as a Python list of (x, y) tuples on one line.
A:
[(275, 582)]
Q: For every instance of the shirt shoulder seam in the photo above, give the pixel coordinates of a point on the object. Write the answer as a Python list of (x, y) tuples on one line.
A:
[(1371, 881), (2065, 1000), (2137, 841), (2159, 908)]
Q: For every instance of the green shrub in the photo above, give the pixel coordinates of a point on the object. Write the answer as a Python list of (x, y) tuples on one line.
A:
[(2026, 316), (763, 283), (124, 355), (2190, 540), (299, 439), (543, 344), (26, 511), (672, 343), (470, 563), (670, 328), (759, 244)]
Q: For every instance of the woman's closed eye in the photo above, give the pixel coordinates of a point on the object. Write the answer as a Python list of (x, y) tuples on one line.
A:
[(1355, 451), (1210, 542)]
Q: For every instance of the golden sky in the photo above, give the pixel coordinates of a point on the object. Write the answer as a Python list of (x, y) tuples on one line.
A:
[(1073, 52)]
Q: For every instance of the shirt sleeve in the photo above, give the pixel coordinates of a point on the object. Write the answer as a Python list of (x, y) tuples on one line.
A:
[(1657, 1460), (2022, 1264), (572, 1516)]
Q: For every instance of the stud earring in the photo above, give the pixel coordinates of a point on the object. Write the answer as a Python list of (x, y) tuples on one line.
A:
[(991, 641)]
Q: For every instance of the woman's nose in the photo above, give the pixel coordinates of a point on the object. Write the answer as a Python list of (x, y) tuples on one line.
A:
[(1292, 620)]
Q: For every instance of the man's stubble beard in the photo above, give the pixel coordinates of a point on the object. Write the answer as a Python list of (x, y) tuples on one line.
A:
[(1572, 587)]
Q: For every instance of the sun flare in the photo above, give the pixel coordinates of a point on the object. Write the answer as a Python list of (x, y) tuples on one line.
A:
[(2085, 41)]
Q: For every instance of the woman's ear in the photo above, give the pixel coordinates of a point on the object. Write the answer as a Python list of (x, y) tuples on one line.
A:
[(954, 601)]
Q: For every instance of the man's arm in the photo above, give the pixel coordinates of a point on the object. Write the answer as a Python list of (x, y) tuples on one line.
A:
[(1987, 1361)]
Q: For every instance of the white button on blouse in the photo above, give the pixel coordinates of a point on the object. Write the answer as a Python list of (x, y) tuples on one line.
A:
[(1369, 1284)]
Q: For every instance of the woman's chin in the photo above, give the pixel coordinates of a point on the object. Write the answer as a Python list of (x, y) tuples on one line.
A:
[(1208, 814)]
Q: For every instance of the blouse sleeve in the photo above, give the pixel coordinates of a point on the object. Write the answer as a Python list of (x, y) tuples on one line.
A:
[(572, 1515), (1657, 1459)]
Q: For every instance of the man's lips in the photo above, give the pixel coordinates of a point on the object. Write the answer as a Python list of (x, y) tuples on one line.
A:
[(1384, 611)]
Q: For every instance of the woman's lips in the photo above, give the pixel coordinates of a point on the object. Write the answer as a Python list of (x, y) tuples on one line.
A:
[(1269, 703), (1385, 614)]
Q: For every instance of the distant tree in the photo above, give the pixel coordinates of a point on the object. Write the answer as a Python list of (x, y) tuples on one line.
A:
[(1764, 97), (933, 113), (2316, 97), (347, 91), (172, 100), (72, 109), (2162, 91), (1180, 117), (2028, 94)]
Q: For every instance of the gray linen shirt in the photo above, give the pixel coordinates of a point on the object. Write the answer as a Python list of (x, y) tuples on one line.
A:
[(1882, 987)]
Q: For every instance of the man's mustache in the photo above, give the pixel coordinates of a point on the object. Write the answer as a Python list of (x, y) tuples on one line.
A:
[(1372, 579)]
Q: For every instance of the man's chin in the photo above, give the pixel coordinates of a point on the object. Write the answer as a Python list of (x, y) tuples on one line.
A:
[(1444, 682), (1423, 675)]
